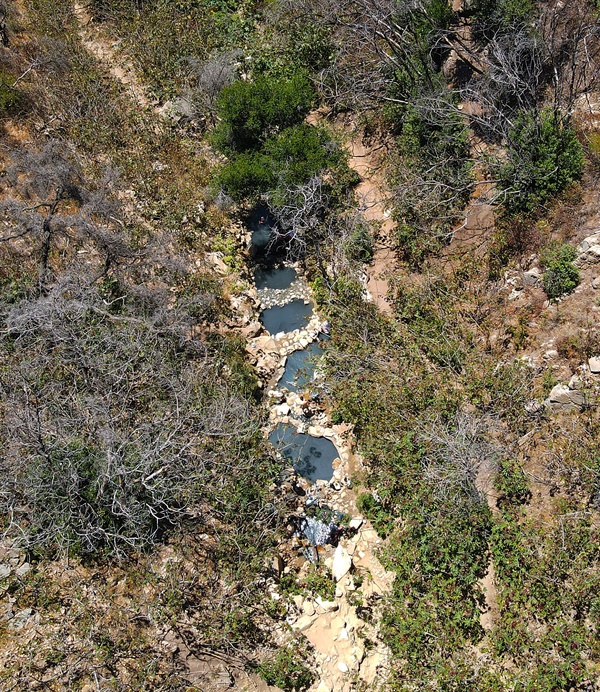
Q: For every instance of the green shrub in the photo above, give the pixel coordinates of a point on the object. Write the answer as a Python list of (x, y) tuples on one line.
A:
[(10, 98), (359, 244), (246, 175), (512, 482), (544, 158), (300, 152), (561, 275), (287, 159), (251, 112), (286, 670)]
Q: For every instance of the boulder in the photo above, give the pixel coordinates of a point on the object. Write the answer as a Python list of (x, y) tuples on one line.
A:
[(342, 562), (590, 241), (303, 623), (278, 565), (532, 277), (23, 570), (326, 606), (308, 608), (564, 399), (594, 364), (282, 409), (177, 110)]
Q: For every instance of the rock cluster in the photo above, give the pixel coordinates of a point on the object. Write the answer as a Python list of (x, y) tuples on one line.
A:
[(334, 627), (589, 250), (272, 297)]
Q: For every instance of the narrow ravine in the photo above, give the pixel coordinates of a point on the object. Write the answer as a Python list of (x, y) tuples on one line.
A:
[(344, 630)]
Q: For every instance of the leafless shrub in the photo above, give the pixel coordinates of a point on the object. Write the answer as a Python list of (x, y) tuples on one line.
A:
[(51, 206), (458, 452), (208, 79), (112, 422), (299, 215)]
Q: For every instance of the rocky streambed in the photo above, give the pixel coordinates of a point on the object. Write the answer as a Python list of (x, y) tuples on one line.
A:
[(325, 527)]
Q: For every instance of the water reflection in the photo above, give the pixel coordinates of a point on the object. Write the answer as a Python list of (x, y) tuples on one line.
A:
[(312, 457)]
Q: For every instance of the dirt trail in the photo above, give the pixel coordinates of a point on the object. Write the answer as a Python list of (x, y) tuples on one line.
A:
[(107, 52), (487, 584), (369, 162)]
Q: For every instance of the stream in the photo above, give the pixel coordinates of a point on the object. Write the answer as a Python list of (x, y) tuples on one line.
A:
[(326, 529), (287, 307)]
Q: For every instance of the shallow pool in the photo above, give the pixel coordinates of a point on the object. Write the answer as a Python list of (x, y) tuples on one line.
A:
[(300, 368), (286, 318), (312, 457), (278, 279)]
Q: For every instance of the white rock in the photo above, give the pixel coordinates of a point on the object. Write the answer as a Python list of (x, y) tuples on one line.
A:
[(309, 608), (356, 523), (593, 239), (342, 562), (563, 398), (589, 255), (532, 277), (594, 364), (342, 667), (326, 606), (303, 623), (23, 569), (282, 409)]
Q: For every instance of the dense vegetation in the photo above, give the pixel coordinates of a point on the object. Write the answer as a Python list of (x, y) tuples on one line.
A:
[(131, 436)]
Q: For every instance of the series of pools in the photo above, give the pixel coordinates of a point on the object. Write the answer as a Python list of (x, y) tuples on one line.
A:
[(312, 457)]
